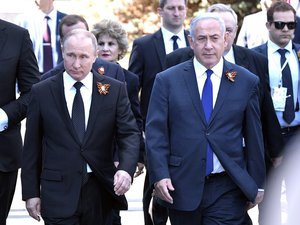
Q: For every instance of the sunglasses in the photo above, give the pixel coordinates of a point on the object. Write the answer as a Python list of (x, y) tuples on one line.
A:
[(280, 25)]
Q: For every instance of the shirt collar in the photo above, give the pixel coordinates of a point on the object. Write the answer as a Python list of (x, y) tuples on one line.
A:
[(168, 35), (217, 69), (69, 81), (230, 55), (272, 47)]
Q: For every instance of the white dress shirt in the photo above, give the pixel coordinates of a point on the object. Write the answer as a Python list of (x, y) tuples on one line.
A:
[(86, 93), (3, 120), (275, 76), (35, 23), (253, 31), (216, 80), (168, 41)]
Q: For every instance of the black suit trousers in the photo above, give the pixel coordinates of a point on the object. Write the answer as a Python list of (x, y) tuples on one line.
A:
[(7, 189), (94, 207), (159, 213)]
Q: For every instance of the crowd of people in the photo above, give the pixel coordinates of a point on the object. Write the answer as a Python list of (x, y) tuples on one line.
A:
[(210, 119)]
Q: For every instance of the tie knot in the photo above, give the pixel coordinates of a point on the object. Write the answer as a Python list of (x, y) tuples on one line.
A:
[(282, 52), (174, 38), (47, 18), (209, 73), (78, 85)]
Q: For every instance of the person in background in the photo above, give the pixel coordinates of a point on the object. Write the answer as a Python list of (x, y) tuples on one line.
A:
[(147, 58), (283, 57), (102, 67), (112, 46), (43, 29), (18, 65), (68, 172), (253, 31), (195, 127)]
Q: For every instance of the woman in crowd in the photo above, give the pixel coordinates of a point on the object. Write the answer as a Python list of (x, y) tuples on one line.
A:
[(112, 46)]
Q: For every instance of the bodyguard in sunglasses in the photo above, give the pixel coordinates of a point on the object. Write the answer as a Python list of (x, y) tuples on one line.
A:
[(283, 59)]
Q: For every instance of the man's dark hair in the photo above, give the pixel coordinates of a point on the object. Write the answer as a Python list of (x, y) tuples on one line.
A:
[(280, 6), (162, 3), (70, 20)]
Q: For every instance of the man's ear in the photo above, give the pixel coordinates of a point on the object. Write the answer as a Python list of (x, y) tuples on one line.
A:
[(226, 37), (190, 39), (159, 11)]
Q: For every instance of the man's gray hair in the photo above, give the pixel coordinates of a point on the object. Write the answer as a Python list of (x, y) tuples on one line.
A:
[(219, 7), (206, 16)]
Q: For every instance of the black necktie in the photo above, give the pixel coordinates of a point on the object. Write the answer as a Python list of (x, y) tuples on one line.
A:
[(289, 110), (207, 102), (47, 49), (175, 45), (78, 117)]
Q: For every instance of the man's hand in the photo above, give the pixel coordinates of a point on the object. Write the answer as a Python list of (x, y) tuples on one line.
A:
[(140, 169), (258, 199), (162, 189), (122, 182), (33, 206)]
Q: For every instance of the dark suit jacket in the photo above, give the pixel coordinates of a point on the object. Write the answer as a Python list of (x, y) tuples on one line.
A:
[(117, 72), (59, 17), (257, 64), (132, 84), (177, 133), (17, 64), (53, 156), (146, 60), (296, 38)]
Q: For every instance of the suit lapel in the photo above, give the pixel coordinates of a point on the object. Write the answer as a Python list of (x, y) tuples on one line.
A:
[(96, 102), (160, 48), (186, 33), (3, 35), (57, 89), (189, 76), (225, 86), (240, 57)]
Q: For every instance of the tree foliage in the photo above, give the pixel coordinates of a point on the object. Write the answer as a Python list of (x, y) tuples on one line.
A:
[(140, 16)]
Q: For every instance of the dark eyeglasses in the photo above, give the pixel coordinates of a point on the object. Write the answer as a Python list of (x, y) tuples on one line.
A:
[(280, 25)]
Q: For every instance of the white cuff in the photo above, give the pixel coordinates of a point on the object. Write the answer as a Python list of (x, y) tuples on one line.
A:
[(3, 120)]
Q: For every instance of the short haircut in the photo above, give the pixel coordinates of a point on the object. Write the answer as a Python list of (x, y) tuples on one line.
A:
[(280, 6), (82, 33), (70, 20), (162, 3), (219, 7), (206, 16), (114, 30)]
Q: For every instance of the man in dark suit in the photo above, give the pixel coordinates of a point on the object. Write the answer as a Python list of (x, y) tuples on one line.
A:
[(68, 174), (18, 65), (284, 81), (197, 163), (146, 60), (255, 63)]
